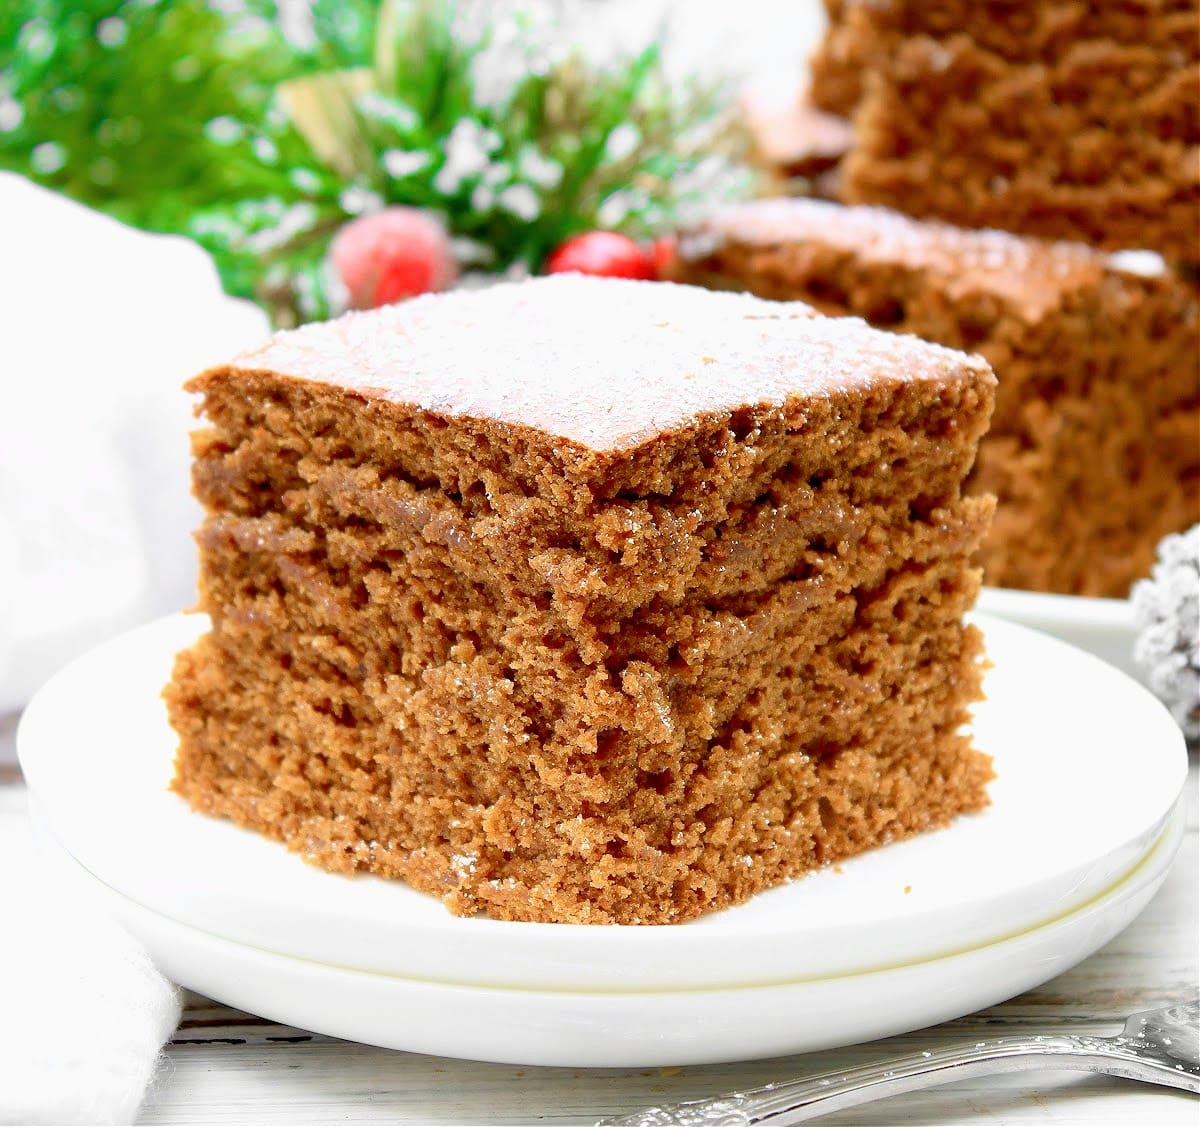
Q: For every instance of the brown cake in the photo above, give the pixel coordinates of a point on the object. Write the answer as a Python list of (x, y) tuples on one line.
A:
[(1073, 121), (586, 600), (837, 65), (1094, 448), (859, 32)]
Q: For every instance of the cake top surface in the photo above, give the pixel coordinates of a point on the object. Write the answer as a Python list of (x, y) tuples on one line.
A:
[(604, 363), (1030, 273)]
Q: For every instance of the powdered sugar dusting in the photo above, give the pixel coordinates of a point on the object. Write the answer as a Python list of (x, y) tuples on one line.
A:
[(604, 363), (1030, 273)]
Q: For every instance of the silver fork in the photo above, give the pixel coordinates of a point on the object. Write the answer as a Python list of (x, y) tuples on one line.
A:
[(1159, 1046)]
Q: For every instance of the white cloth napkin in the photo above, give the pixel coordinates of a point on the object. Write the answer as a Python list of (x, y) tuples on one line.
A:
[(83, 1012), (101, 326)]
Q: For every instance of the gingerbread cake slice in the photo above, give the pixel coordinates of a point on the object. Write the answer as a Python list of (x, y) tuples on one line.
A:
[(583, 600), (860, 34), (1076, 122), (1092, 451)]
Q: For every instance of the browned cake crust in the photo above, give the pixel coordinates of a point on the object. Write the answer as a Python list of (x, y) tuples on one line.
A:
[(1093, 450), (584, 600), (1066, 121)]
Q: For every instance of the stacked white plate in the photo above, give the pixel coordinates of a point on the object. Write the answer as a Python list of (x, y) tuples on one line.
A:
[(1085, 821), (1104, 627)]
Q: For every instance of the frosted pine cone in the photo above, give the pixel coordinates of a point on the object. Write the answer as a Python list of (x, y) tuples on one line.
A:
[(1166, 611)]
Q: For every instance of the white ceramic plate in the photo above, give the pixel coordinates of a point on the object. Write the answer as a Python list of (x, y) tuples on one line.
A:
[(1103, 627), (611, 1029), (1089, 766)]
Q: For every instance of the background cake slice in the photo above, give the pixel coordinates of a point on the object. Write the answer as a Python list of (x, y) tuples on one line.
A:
[(585, 600), (1093, 451), (1065, 121)]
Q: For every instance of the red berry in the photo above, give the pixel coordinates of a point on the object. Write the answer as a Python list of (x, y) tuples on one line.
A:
[(602, 253), (392, 254), (663, 252)]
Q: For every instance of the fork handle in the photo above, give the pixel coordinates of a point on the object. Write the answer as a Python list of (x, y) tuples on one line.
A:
[(793, 1101)]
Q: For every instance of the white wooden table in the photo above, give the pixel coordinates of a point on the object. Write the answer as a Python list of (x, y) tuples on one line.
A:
[(224, 1066)]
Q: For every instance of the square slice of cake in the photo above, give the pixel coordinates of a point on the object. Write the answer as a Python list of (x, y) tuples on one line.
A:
[(1093, 451), (1065, 121), (585, 600)]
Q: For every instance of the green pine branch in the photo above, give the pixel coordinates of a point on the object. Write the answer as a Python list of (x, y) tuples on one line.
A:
[(215, 124)]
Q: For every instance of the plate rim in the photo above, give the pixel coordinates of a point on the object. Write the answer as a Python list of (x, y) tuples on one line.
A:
[(595, 1029), (1167, 839), (1047, 606)]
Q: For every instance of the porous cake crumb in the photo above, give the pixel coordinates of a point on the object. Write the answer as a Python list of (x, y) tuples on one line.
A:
[(1071, 121), (1094, 448), (836, 66), (586, 601)]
